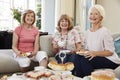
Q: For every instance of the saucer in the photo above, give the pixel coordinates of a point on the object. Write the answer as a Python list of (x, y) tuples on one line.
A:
[(39, 68)]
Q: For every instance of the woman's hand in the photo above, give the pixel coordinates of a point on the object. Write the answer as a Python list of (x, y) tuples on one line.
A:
[(18, 54), (73, 51), (55, 48), (89, 54)]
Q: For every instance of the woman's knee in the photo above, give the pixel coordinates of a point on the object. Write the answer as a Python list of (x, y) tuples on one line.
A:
[(41, 55), (24, 62)]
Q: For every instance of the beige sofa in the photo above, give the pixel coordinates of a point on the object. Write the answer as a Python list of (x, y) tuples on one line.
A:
[(8, 64)]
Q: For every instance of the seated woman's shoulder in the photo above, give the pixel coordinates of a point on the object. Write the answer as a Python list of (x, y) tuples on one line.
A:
[(74, 30)]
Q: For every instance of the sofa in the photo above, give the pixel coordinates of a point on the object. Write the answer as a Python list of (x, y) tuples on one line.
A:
[(9, 65)]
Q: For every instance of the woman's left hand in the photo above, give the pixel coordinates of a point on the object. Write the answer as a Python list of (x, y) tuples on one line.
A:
[(89, 54)]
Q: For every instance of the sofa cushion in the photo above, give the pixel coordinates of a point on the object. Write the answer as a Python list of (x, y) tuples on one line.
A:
[(8, 64), (115, 35), (116, 39), (46, 44), (117, 45)]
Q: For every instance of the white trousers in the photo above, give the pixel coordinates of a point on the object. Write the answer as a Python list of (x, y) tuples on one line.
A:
[(25, 61)]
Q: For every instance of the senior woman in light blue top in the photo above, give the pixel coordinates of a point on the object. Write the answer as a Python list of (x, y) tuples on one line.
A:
[(99, 46)]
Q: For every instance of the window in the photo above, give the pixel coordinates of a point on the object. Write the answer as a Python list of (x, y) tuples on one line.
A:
[(6, 18), (86, 4)]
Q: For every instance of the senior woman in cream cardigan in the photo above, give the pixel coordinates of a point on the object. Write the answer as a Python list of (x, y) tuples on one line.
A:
[(99, 45)]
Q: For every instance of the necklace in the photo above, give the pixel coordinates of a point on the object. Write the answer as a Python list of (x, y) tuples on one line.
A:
[(64, 40)]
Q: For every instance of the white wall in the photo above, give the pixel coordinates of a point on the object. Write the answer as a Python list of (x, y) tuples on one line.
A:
[(112, 8)]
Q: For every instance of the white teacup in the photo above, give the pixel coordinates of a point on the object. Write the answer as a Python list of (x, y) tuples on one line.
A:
[(61, 43)]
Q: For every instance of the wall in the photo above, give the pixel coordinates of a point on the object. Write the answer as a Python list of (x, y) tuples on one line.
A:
[(112, 20)]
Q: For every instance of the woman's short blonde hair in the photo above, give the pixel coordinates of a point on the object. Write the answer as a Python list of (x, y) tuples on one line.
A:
[(100, 9), (66, 17), (24, 15)]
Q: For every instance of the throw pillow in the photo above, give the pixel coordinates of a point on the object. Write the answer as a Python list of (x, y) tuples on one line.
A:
[(117, 45)]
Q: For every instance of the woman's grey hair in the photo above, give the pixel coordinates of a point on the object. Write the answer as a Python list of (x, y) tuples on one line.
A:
[(100, 9)]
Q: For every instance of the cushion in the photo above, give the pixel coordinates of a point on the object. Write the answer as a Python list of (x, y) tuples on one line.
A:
[(46, 44), (117, 45), (8, 64), (116, 39), (115, 35)]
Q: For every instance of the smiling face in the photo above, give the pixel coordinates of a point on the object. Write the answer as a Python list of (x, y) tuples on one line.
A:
[(95, 17), (29, 18), (64, 24)]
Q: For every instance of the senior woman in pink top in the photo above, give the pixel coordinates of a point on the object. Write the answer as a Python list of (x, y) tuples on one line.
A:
[(26, 40)]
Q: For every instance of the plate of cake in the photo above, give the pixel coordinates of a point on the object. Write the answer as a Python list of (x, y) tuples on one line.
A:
[(101, 75)]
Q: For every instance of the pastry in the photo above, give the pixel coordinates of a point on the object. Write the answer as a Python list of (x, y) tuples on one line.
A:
[(4, 77), (102, 75), (34, 74), (69, 66), (55, 66), (48, 74), (55, 77), (24, 54)]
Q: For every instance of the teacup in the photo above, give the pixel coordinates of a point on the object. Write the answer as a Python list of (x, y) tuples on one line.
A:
[(61, 43)]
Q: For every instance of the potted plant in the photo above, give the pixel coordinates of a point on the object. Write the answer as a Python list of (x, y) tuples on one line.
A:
[(16, 14), (38, 21)]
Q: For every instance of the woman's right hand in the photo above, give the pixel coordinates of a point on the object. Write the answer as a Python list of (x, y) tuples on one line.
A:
[(55, 48), (90, 54), (18, 53)]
